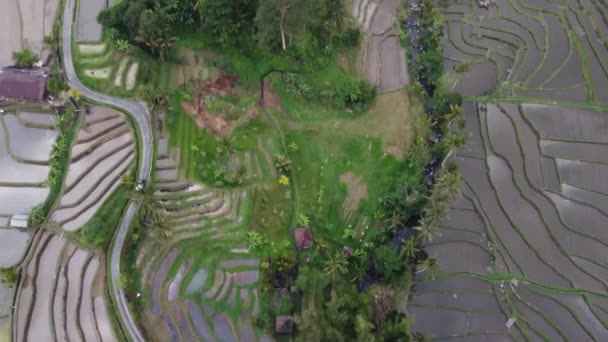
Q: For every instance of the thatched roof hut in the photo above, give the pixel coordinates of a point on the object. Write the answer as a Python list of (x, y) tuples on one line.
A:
[(303, 237), (283, 325)]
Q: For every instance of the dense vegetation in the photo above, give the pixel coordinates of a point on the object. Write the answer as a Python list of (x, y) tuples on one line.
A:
[(354, 282), (98, 231), (297, 24), (24, 58)]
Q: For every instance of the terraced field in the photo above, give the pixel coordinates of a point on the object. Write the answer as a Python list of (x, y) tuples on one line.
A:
[(62, 294), (103, 153), (26, 140), (201, 283), (526, 242), (108, 68), (383, 59), (553, 50), (87, 27)]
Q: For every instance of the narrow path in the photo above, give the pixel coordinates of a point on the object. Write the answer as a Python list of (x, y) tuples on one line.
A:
[(138, 112)]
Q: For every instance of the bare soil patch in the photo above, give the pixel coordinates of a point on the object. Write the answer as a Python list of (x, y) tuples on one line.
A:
[(356, 190), (389, 119), (218, 124)]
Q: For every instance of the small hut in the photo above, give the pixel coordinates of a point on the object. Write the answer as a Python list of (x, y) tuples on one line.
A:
[(303, 237), (283, 325)]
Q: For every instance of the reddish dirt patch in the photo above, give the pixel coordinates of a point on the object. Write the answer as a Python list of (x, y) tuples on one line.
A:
[(271, 98), (222, 85)]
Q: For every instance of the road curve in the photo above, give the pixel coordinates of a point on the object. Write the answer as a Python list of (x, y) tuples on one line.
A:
[(141, 118)]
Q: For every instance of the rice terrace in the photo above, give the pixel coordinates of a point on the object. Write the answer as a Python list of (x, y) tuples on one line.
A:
[(304, 170)]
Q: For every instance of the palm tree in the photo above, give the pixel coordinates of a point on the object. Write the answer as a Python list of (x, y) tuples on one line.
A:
[(335, 266), (409, 248), (225, 147), (431, 266), (461, 69), (309, 324), (396, 219), (426, 231), (282, 164), (437, 209), (454, 116), (449, 183), (452, 143)]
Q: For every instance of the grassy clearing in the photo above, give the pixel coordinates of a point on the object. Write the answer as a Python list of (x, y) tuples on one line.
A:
[(201, 156)]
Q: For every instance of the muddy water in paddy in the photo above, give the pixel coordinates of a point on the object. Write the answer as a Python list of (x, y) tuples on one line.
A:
[(29, 143), (13, 244), (17, 200)]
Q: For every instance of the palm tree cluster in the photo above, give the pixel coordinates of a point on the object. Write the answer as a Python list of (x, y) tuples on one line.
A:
[(446, 188), (152, 218)]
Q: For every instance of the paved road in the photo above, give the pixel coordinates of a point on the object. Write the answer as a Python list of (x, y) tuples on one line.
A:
[(141, 118)]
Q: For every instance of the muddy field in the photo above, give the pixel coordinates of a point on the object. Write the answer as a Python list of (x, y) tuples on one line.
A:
[(531, 48), (382, 57), (525, 243), (87, 27), (62, 295), (102, 154), (24, 24)]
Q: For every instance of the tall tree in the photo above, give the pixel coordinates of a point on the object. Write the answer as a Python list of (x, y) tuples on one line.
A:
[(461, 69), (282, 20), (156, 29), (426, 230), (430, 266)]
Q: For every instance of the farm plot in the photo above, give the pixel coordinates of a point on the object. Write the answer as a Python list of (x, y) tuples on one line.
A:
[(102, 154), (87, 27), (383, 58), (62, 294), (529, 48), (200, 281), (26, 140), (24, 24), (522, 253)]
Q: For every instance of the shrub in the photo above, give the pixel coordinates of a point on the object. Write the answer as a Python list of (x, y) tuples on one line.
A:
[(443, 99), (10, 275), (349, 37), (431, 63), (25, 58), (56, 84), (354, 94)]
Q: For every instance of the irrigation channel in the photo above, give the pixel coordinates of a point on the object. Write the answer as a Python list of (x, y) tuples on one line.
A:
[(141, 119)]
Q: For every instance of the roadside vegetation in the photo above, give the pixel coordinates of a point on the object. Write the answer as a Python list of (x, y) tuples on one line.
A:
[(98, 232), (66, 123)]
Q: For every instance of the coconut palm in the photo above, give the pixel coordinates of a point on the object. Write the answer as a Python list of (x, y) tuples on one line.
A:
[(335, 266), (430, 266), (282, 164), (226, 147), (409, 248), (395, 220), (449, 183), (454, 116), (437, 209), (461, 69), (452, 143), (426, 231), (309, 324)]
